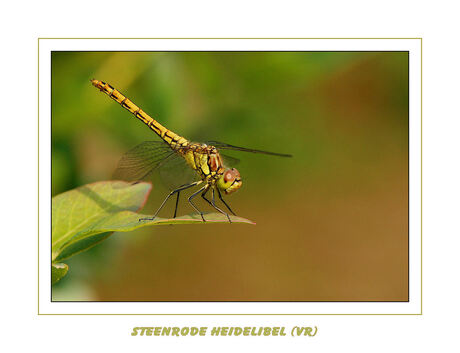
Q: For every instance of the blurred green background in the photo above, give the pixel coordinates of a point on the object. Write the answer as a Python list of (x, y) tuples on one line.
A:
[(332, 222)]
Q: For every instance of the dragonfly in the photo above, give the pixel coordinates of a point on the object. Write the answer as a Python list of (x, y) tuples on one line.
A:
[(207, 165)]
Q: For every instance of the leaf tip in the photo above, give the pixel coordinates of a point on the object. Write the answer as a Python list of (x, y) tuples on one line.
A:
[(58, 270)]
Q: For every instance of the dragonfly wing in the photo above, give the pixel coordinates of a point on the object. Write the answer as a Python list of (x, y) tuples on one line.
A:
[(140, 162), (229, 161), (151, 157), (176, 172), (226, 146)]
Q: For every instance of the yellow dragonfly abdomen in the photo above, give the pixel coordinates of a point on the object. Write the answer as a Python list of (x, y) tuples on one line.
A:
[(167, 135)]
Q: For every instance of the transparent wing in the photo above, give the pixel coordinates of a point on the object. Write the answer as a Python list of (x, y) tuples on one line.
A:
[(176, 172), (143, 160), (226, 146), (229, 161)]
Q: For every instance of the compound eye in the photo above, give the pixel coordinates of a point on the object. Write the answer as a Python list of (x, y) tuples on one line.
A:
[(230, 175)]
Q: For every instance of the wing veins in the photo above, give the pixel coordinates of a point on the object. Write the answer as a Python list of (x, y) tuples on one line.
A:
[(226, 146)]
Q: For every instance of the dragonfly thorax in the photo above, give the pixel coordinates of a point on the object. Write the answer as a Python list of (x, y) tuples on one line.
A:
[(207, 161)]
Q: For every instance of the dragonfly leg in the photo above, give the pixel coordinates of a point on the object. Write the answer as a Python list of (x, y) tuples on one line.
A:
[(177, 203), (203, 189), (221, 199), (217, 208), (167, 197), (203, 195)]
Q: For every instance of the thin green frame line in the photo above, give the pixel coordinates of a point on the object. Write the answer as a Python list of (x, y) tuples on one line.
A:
[(282, 38), (343, 314), (38, 166), (421, 177), (228, 38)]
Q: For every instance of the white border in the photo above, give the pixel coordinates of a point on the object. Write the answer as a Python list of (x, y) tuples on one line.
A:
[(48, 45)]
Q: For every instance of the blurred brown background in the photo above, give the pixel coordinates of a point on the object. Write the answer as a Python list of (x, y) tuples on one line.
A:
[(332, 222)]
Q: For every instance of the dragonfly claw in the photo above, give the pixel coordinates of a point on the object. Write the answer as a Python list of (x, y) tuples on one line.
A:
[(146, 219)]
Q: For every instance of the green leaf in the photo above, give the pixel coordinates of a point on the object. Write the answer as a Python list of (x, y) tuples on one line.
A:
[(85, 216), (81, 246), (210, 218), (93, 209), (58, 271)]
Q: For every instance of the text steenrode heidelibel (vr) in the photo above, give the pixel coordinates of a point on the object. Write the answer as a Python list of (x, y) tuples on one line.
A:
[(224, 331)]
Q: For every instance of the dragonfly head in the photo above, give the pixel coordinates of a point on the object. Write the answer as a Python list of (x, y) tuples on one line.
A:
[(230, 181)]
